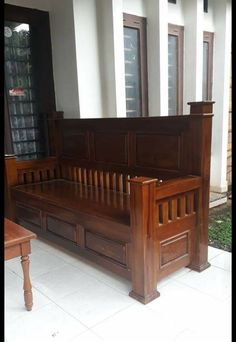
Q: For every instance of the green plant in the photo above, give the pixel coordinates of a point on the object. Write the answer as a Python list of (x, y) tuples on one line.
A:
[(220, 230)]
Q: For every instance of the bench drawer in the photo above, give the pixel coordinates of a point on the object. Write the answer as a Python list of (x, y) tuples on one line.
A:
[(31, 216), (64, 229), (106, 247)]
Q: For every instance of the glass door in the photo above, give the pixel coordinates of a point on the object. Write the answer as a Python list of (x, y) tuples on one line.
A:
[(29, 88), (26, 126)]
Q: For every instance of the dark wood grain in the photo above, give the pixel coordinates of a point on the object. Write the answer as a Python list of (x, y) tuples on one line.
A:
[(130, 194), (17, 243)]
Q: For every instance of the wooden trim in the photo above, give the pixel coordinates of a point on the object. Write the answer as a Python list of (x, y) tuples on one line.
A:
[(209, 38), (140, 23), (8, 146), (178, 31)]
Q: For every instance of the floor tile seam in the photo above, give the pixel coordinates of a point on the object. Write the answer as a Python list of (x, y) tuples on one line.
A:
[(53, 301), (32, 277), (217, 255), (109, 285), (49, 271), (83, 332), (68, 313), (111, 316), (221, 268), (15, 273), (54, 252), (173, 277), (87, 274), (29, 312), (202, 292), (39, 291), (90, 327), (99, 279), (90, 274)]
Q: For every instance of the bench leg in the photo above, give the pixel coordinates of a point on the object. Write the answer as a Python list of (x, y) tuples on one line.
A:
[(199, 260), (143, 239), (27, 285)]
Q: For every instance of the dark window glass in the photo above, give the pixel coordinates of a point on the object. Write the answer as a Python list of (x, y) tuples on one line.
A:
[(172, 74), (132, 72), (25, 124), (205, 5), (205, 71), (207, 68), (135, 60)]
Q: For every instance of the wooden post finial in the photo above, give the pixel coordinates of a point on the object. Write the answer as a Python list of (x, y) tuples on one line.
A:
[(201, 107)]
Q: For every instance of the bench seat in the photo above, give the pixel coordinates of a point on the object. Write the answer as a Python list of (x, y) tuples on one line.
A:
[(104, 203)]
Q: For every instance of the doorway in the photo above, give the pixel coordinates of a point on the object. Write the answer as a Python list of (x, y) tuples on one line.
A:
[(29, 87)]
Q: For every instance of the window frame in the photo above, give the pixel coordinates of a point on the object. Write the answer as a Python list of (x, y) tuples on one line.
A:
[(42, 56), (208, 37), (139, 23), (178, 31)]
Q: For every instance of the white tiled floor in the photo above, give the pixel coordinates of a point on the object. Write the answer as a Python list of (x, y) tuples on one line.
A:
[(77, 301)]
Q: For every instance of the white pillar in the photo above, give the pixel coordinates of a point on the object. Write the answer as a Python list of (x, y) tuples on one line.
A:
[(157, 51), (111, 50), (221, 82), (64, 58), (118, 37), (87, 58), (193, 47)]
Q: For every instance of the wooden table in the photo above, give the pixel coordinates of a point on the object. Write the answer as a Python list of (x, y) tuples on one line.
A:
[(17, 243)]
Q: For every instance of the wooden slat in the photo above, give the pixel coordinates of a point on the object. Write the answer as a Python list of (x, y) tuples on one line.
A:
[(165, 211), (173, 206), (190, 203), (89, 175), (28, 177), (160, 213), (181, 206), (124, 183)]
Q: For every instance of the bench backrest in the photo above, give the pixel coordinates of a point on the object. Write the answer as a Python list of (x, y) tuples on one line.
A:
[(109, 151)]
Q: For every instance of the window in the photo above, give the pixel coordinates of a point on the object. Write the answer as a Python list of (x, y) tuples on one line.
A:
[(172, 1), (135, 59), (207, 65), (175, 69), (205, 6), (29, 90)]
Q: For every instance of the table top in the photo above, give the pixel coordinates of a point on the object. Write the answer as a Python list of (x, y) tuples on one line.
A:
[(15, 234)]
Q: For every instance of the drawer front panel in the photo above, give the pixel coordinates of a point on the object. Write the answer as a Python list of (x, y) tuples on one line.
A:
[(27, 214), (106, 247), (61, 228), (175, 248)]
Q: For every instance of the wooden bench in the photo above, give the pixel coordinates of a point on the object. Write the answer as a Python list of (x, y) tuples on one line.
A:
[(131, 194), (17, 243)]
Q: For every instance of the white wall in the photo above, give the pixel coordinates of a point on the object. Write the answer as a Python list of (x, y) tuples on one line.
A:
[(221, 79), (208, 18), (135, 7), (63, 51), (193, 51), (64, 57), (111, 52), (106, 53), (175, 13), (157, 53), (87, 58)]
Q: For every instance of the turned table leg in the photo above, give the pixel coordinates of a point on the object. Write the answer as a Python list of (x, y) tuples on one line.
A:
[(27, 285)]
